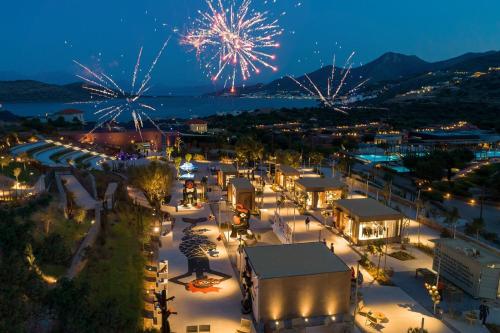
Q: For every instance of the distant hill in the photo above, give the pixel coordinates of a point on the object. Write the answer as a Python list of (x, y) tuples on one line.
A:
[(390, 67), (35, 91)]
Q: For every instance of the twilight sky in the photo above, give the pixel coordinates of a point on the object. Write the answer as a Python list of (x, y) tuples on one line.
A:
[(40, 38)]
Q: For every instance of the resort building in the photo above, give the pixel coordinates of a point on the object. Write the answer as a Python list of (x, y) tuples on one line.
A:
[(69, 115), (318, 193), (225, 173), (198, 126), (241, 191), (285, 176), (473, 268), (120, 138), (290, 290), (366, 220)]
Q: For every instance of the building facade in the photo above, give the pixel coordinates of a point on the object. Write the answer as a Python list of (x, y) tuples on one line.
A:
[(366, 220), (289, 290), (473, 268)]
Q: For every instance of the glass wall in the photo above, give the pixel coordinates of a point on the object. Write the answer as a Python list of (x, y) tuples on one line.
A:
[(377, 230)]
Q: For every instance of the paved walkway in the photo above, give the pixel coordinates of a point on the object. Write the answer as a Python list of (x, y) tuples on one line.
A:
[(392, 301), (82, 198), (218, 307)]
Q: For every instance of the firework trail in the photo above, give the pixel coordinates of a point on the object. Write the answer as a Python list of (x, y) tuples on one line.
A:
[(111, 100), (333, 98), (233, 40)]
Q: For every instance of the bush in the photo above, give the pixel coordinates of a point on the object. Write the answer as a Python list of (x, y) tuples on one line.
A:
[(53, 250)]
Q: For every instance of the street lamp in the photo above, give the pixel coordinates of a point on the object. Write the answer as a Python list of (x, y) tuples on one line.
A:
[(434, 294)]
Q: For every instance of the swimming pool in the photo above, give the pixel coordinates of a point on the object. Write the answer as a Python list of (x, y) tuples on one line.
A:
[(487, 154), (372, 158)]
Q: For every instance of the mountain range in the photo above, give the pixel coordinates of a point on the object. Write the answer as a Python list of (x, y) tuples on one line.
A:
[(390, 67), (406, 71)]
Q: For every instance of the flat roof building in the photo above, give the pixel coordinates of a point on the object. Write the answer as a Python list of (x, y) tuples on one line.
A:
[(318, 192), (225, 173), (285, 176), (366, 220), (295, 282), (472, 267), (241, 191)]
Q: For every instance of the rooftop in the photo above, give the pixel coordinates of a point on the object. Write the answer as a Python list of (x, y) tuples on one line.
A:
[(196, 122), (242, 184), (317, 184), (368, 209), (479, 253), (276, 261), (288, 170), (227, 168)]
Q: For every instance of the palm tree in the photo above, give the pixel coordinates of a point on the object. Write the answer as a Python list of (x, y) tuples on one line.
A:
[(177, 163), (4, 162), (169, 152), (17, 172), (316, 158), (24, 157), (451, 218), (70, 203)]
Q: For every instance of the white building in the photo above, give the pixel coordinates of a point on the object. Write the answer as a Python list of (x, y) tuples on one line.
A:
[(198, 126), (471, 267)]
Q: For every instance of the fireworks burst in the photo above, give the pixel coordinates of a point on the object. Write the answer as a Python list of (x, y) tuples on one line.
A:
[(111, 100), (233, 40), (334, 96)]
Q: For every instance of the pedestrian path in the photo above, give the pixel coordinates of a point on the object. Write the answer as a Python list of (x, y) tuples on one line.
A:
[(217, 302), (82, 197)]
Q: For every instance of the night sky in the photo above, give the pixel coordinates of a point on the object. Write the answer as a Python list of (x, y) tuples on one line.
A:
[(41, 37)]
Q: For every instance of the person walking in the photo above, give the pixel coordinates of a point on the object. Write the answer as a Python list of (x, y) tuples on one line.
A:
[(484, 311), (308, 220), (332, 250)]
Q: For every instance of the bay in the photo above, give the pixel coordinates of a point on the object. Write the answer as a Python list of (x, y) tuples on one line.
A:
[(169, 107)]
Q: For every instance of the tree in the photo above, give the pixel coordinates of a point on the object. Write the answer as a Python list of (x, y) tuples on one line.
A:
[(17, 172), (476, 226), (80, 215), (377, 249), (482, 178), (70, 203), (169, 152), (249, 150), (4, 162), (288, 157), (316, 158), (388, 178), (24, 157), (154, 179), (177, 163), (188, 157), (451, 218)]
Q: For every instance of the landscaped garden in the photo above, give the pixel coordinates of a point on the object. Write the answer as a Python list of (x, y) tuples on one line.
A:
[(27, 172)]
